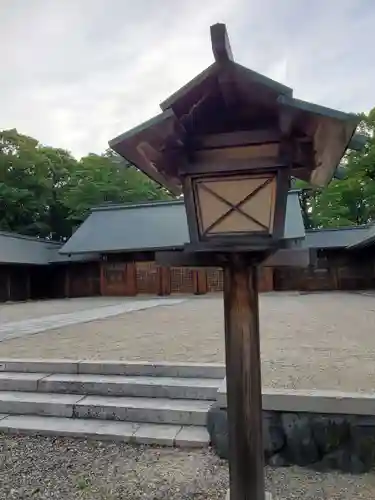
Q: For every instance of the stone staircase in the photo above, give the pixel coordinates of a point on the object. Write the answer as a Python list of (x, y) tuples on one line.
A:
[(143, 403)]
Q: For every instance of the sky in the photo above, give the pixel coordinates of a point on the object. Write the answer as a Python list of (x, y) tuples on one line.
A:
[(77, 73)]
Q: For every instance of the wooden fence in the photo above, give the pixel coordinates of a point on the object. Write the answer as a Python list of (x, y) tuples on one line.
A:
[(129, 279), (335, 270)]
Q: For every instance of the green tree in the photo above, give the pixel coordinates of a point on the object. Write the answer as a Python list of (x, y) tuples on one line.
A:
[(46, 192), (31, 179), (349, 201), (100, 179)]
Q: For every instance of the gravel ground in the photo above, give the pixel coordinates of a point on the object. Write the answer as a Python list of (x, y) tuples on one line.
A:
[(317, 341), (45, 468)]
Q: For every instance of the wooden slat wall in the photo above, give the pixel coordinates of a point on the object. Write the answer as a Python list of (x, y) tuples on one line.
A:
[(335, 271), (158, 280), (82, 279), (4, 284), (164, 280), (118, 278)]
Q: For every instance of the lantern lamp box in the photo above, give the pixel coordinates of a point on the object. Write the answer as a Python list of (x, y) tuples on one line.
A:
[(230, 140)]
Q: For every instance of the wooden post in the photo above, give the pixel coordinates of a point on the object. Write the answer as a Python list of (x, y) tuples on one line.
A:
[(67, 282), (28, 284), (199, 281), (9, 285), (164, 280), (130, 274), (102, 279), (244, 391)]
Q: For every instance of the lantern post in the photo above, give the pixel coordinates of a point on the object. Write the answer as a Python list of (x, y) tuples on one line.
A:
[(230, 140)]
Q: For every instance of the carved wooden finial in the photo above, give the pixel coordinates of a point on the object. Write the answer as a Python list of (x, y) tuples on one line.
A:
[(220, 43)]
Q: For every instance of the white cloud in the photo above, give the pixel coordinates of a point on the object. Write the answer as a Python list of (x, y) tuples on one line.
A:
[(76, 74)]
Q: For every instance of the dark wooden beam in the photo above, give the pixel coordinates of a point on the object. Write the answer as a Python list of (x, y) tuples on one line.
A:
[(206, 75), (208, 258), (233, 165), (141, 146), (243, 369), (228, 90), (190, 209), (179, 258), (220, 43), (285, 257), (239, 138), (286, 118), (283, 185), (129, 257)]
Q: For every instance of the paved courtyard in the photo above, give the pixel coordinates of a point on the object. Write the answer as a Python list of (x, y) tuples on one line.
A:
[(41, 323), (322, 341)]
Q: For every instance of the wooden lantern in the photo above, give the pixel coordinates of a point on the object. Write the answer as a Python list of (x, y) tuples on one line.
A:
[(229, 140)]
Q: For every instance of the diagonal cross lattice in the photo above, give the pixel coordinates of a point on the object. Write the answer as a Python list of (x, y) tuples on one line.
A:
[(235, 207)]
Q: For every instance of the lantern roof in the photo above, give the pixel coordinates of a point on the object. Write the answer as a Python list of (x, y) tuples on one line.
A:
[(226, 99)]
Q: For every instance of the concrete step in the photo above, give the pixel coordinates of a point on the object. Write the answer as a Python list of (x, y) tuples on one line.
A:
[(130, 368), (151, 410), (35, 403), (130, 432), (159, 410), (112, 385), (14, 381), (117, 385)]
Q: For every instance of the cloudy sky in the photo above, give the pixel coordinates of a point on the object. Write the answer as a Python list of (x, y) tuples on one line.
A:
[(76, 73)]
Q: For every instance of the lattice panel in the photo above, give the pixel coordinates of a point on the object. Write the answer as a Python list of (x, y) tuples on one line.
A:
[(236, 205)]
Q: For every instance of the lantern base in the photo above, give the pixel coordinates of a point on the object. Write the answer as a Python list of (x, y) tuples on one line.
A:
[(268, 496)]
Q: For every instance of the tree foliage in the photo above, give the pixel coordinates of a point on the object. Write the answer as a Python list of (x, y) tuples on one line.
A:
[(45, 191), (349, 201)]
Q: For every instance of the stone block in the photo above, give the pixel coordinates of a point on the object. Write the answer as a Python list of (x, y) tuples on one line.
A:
[(156, 434), (39, 365), (312, 401), (343, 460), (363, 441), (300, 448), (273, 434), (329, 432), (221, 396), (217, 426), (70, 427), (163, 411), (320, 441), (148, 369), (191, 436), (131, 386), (33, 403), (13, 381), (277, 460)]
